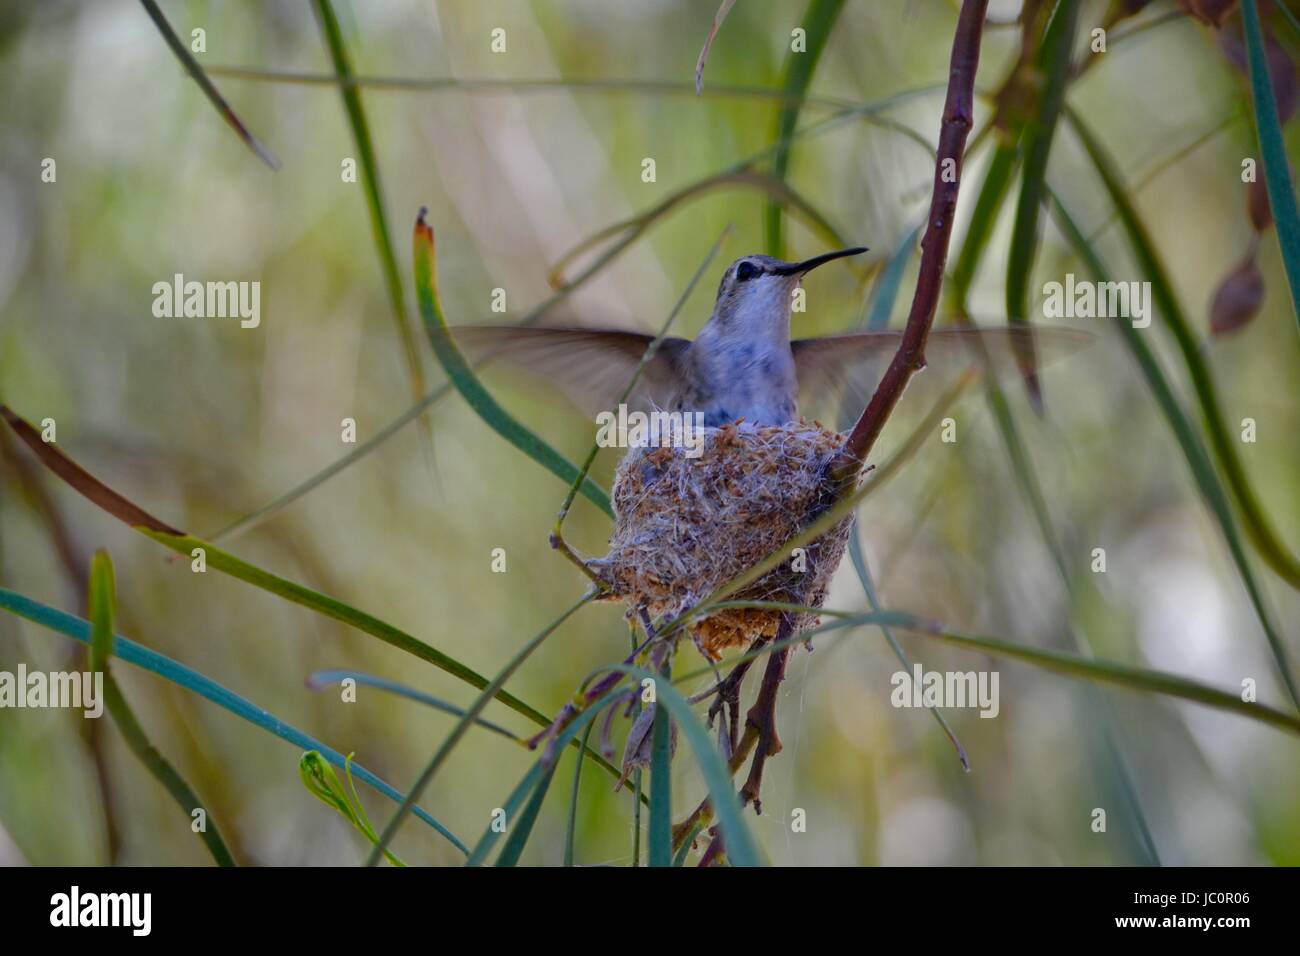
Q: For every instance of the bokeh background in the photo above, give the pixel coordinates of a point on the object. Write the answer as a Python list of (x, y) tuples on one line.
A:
[(201, 422)]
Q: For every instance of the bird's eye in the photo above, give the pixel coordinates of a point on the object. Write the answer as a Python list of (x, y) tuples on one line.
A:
[(746, 270)]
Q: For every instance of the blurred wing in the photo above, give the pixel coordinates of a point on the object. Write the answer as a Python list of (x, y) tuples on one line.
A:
[(592, 367), (855, 361)]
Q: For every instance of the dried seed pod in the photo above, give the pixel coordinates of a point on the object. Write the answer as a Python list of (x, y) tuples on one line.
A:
[(685, 526), (1257, 207), (640, 740), (1238, 298)]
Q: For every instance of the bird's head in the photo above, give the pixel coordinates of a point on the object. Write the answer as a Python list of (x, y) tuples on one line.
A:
[(755, 292)]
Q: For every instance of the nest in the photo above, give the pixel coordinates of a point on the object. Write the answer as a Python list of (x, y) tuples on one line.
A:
[(684, 526)]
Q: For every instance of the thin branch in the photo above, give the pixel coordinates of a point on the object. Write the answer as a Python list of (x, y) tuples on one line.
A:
[(910, 357)]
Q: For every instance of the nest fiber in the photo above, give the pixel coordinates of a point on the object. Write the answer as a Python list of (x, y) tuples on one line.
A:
[(685, 526)]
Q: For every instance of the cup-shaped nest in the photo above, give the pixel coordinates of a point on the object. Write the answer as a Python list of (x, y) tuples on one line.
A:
[(688, 520)]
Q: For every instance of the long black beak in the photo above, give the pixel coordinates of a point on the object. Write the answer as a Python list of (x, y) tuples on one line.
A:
[(799, 268)]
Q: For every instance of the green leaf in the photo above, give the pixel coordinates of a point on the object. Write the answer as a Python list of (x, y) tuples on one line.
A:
[(457, 732), (142, 657), (323, 678), (661, 787), (523, 827), (102, 601), (885, 291), (534, 775), (323, 783), (741, 850), (571, 828), (206, 85), (1054, 61), (467, 383), (1071, 665), (818, 20), (1277, 173), (997, 181), (374, 188)]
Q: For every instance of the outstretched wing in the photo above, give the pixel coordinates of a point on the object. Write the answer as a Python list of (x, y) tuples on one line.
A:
[(592, 367), (854, 362)]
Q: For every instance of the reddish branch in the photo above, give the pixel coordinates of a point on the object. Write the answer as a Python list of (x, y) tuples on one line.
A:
[(760, 725), (762, 719), (910, 357)]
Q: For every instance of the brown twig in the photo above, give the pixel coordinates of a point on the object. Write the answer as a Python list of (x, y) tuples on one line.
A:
[(727, 702), (910, 357), (762, 717), (760, 727)]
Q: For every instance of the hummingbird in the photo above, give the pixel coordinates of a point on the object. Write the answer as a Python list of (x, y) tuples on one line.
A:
[(743, 364)]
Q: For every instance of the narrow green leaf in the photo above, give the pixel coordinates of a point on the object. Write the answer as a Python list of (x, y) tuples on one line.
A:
[(523, 827), (1277, 172), (324, 678), (571, 828), (206, 85), (661, 786), (1089, 669), (534, 775), (457, 732), (102, 601), (997, 181), (1054, 62), (1070, 665), (323, 783), (741, 850), (467, 383), (168, 669), (818, 21), (884, 293), (529, 85), (374, 189), (186, 545)]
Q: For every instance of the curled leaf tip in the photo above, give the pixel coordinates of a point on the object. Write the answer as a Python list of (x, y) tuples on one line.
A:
[(423, 231)]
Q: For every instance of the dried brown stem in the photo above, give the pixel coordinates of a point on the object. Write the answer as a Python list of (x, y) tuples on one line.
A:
[(727, 702), (910, 357), (762, 718)]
